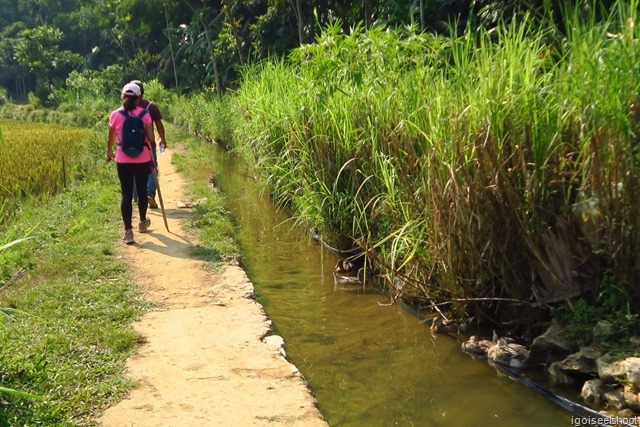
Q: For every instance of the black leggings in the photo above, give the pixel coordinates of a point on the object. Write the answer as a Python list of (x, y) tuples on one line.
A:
[(128, 173)]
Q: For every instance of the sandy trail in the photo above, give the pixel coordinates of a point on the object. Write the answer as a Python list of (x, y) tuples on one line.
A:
[(204, 362)]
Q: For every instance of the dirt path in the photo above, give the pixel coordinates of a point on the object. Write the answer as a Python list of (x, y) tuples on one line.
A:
[(204, 362)]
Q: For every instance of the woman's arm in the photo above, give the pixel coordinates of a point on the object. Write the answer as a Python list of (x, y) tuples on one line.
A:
[(160, 128), (148, 130)]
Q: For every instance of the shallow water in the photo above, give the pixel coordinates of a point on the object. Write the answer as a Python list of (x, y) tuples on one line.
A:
[(367, 363)]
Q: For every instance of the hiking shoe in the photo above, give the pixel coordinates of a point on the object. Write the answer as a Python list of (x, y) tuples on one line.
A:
[(152, 203), (128, 237), (143, 226)]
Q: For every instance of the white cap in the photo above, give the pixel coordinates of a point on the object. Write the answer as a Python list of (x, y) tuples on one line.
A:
[(131, 89)]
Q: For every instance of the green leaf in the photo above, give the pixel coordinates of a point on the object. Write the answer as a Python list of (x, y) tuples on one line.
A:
[(10, 391), (15, 242)]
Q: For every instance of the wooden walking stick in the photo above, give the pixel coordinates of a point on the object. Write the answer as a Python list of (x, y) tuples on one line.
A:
[(164, 216)]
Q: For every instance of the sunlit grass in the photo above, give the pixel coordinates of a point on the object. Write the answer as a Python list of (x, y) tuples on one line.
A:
[(38, 159)]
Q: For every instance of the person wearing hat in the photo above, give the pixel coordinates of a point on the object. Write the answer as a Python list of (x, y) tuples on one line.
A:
[(131, 170), (156, 117)]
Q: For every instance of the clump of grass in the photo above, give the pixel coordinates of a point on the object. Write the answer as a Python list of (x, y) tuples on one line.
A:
[(603, 323), (215, 228), (204, 114)]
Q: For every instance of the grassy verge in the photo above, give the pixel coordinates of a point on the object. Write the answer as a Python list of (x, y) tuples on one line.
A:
[(67, 308), (68, 334), (212, 221)]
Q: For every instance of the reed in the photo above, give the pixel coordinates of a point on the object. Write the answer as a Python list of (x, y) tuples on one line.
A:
[(495, 165)]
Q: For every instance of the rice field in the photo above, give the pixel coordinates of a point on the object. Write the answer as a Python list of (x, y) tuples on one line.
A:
[(38, 159)]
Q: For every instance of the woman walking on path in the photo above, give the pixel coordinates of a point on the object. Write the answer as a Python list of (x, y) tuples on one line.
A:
[(134, 169)]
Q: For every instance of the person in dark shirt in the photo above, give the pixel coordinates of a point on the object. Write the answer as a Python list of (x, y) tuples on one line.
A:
[(156, 118)]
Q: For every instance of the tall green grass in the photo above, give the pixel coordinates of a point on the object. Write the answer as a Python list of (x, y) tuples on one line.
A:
[(500, 164)]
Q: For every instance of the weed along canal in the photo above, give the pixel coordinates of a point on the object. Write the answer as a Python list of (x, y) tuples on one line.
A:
[(368, 363)]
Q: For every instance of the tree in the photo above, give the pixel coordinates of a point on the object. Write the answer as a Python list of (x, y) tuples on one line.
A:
[(11, 71), (300, 19), (37, 51), (209, 40), (197, 41), (233, 24)]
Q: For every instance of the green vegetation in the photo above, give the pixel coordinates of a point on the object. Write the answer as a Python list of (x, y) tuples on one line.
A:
[(609, 324), (39, 159), (67, 300), (189, 45), (184, 43), (491, 170), (212, 220), (73, 301), (609, 327), (488, 165)]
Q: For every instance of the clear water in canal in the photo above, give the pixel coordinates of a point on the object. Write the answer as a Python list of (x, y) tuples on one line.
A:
[(368, 363)]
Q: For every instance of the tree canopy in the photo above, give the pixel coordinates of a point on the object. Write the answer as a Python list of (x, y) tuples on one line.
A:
[(189, 44)]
